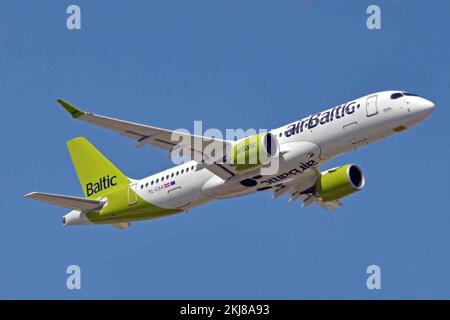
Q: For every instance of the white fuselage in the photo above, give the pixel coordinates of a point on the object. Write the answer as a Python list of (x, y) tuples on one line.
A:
[(307, 142)]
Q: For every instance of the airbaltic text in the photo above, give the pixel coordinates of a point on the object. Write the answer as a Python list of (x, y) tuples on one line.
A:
[(320, 118)]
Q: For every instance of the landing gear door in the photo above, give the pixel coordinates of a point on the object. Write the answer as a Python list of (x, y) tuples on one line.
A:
[(371, 106), (132, 194)]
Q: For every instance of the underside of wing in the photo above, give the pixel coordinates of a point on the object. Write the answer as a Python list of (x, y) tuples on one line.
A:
[(304, 189), (75, 203), (121, 225)]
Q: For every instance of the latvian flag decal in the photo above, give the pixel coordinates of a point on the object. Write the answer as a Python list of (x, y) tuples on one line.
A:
[(168, 184)]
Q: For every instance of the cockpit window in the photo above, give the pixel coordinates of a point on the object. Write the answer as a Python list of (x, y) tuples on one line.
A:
[(396, 95), (410, 94)]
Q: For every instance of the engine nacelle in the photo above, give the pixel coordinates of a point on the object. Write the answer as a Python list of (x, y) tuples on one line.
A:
[(340, 182), (254, 151)]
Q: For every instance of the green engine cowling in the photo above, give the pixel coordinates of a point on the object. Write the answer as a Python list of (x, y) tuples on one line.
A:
[(254, 151), (340, 182)]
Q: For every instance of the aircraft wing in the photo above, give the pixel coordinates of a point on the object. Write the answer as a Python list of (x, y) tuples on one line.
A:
[(76, 203), (303, 189), (162, 138)]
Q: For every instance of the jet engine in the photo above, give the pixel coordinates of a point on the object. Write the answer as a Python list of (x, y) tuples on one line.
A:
[(339, 182), (254, 151)]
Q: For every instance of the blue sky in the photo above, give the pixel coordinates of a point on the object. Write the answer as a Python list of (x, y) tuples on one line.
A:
[(231, 64)]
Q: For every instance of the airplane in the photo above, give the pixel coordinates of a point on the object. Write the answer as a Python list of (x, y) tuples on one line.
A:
[(299, 148)]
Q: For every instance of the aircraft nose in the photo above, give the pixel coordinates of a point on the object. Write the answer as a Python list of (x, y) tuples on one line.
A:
[(423, 107), (426, 107), (429, 105)]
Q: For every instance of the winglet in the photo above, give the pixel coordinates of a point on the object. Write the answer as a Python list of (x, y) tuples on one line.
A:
[(76, 113)]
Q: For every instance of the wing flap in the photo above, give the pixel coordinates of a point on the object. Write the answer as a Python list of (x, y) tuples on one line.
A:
[(121, 225), (329, 205), (75, 203), (223, 171)]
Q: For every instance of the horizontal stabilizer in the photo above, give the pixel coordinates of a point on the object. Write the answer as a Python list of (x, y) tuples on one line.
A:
[(69, 202)]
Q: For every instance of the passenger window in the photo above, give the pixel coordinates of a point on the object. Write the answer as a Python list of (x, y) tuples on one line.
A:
[(157, 180), (146, 185), (151, 182), (187, 169), (192, 168), (182, 171), (171, 175), (167, 177), (178, 172), (162, 179)]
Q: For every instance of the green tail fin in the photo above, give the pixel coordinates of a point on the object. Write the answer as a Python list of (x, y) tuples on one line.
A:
[(97, 175)]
